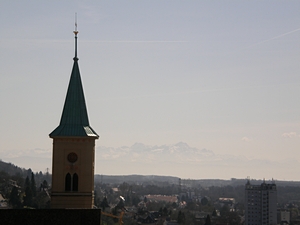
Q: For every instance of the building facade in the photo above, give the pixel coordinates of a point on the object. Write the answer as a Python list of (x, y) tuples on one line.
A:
[(260, 204), (73, 149)]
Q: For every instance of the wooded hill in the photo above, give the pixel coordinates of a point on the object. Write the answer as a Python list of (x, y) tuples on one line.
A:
[(12, 169)]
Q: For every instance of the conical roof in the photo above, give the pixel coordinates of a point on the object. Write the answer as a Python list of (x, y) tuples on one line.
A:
[(74, 120)]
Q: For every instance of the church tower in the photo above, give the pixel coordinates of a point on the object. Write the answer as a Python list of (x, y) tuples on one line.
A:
[(73, 149)]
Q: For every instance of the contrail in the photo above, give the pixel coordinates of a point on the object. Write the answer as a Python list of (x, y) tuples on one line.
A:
[(273, 38), (128, 41)]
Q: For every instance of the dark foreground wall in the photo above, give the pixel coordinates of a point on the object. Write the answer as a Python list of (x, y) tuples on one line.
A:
[(50, 216)]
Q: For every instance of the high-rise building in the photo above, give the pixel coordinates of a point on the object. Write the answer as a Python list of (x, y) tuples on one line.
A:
[(260, 204), (73, 149)]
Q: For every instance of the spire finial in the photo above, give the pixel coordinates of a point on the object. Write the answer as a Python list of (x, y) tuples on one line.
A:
[(75, 32)]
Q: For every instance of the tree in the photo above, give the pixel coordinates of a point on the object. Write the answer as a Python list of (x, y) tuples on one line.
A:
[(120, 204), (44, 185), (224, 211), (174, 205), (192, 206), (181, 217), (33, 185), (204, 201), (41, 201), (124, 188), (29, 171), (48, 175), (207, 220), (104, 203), (234, 218), (28, 197), (135, 200), (183, 198), (214, 213), (165, 211), (160, 210), (14, 198)]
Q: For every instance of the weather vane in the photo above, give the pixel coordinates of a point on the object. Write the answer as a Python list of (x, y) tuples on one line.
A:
[(76, 31)]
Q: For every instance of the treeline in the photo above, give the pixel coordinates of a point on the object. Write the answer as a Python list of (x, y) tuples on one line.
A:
[(22, 188)]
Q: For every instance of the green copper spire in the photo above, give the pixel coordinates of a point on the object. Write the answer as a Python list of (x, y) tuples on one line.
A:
[(74, 120)]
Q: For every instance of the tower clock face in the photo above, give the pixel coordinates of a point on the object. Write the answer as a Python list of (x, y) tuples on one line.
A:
[(72, 157)]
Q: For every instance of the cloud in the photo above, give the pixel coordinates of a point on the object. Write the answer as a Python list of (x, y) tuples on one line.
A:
[(289, 135), (175, 160), (37, 152), (246, 139)]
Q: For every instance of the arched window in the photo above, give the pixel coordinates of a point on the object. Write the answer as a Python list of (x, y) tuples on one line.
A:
[(71, 182), (68, 182), (75, 182)]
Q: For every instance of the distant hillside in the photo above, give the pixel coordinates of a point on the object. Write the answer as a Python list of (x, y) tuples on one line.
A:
[(140, 179), (12, 169), (235, 182), (163, 180)]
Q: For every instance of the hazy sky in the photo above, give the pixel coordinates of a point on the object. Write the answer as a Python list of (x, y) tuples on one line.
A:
[(219, 75)]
